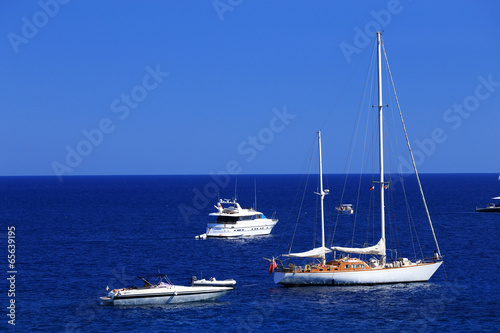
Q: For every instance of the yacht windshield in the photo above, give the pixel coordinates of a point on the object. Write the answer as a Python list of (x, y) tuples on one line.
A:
[(227, 219)]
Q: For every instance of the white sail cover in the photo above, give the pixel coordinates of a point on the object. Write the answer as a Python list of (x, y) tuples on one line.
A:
[(318, 252), (378, 249)]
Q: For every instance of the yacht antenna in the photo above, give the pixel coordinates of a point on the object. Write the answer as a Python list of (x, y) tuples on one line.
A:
[(235, 186), (255, 188)]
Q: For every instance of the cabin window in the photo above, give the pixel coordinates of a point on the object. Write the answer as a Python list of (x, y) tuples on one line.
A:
[(227, 219), (245, 218), (346, 266)]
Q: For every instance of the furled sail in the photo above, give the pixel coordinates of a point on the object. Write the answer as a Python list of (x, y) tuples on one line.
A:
[(318, 252), (378, 249)]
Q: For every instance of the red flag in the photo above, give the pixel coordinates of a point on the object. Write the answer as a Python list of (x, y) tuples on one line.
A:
[(372, 188), (272, 267)]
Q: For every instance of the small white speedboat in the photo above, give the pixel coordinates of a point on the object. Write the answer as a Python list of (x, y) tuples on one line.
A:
[(212, 282), (158, 290)]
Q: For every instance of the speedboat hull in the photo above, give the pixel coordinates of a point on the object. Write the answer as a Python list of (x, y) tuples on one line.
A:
[(157, 296), (258, 228), (407, 274)]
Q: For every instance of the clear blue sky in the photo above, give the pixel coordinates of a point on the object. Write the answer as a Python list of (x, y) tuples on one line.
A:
[(182, 87)]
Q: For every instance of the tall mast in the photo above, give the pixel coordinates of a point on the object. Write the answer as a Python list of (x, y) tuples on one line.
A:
[(381, 144), (322, 195)]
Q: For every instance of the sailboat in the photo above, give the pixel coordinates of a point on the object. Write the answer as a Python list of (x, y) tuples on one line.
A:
[(347, 270)]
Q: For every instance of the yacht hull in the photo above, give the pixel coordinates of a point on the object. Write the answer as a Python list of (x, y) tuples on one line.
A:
[(407, 274), (262, 227)]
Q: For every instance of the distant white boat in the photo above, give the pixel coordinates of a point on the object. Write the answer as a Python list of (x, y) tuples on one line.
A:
[(158, 290), (491, 208), (234, 221), (345, 209)]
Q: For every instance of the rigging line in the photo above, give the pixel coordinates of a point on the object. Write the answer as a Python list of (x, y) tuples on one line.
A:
[(352, 140), (411, 222), (316, 218), (356, 125), (371, 211), (397, 150), (394, 236), (408, 210), (372, 74), (295, 198), (303, 196), (371, 218), (341, 94), (362, 167), (400, 176), (445, 275), (411, 155), (368, 115)]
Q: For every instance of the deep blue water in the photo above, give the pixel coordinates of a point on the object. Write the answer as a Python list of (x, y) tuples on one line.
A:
[(74, 238)]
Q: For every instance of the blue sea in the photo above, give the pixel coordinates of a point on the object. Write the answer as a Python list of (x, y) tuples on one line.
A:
[(76, 237)]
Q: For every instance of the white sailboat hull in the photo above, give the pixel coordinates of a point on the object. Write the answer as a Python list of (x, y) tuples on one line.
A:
[(407, 274)]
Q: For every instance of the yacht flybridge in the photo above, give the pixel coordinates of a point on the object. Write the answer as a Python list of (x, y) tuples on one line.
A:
[(234, 221), (349, 269)]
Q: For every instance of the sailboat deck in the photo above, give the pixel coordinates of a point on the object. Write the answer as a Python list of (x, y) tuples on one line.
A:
[(348, 265), (330, 266)]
